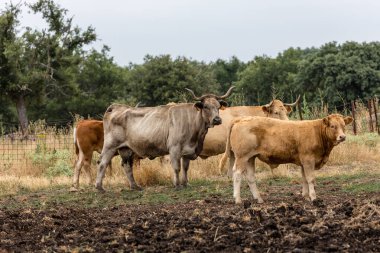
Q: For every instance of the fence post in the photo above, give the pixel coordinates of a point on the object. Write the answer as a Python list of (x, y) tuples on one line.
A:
[(370, 115), (353, 116), (299, 110), (376, 119)]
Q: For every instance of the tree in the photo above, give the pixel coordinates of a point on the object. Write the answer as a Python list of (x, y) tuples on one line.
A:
[(266, 77), (160, 80), (101, 82), (36, 64), (226, 72), (341, 73)]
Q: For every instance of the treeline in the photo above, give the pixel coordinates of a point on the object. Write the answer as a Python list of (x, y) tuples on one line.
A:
[(47, 73)]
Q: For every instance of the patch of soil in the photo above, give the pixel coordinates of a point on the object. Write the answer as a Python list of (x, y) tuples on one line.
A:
[(286, 224)]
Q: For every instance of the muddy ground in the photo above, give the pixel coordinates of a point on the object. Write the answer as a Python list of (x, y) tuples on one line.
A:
[(284, 223)]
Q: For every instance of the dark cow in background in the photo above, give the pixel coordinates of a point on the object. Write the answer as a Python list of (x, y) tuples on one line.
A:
[(305, 143), (178, 130)]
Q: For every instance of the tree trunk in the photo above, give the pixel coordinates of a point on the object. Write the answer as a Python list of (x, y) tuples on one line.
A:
[(21, 113)]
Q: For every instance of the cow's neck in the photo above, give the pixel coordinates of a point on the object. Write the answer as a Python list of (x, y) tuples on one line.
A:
[(202, 128), (327, 144)]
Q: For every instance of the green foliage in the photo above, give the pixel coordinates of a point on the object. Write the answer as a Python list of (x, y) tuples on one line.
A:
[(264, 74), (57, 162), (40, 64), (160, 79), (343, 72)]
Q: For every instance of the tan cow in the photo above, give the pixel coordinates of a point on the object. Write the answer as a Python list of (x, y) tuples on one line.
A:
[(88, 137), (215, 141), (305, 143)]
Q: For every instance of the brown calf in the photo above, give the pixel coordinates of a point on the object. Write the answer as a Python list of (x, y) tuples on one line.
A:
[(305, 143), (88, 137)]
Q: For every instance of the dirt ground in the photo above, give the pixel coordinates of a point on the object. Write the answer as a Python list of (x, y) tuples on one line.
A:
[(284, 223)]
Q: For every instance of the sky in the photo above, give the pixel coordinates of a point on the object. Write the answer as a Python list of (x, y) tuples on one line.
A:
[(207, 30)]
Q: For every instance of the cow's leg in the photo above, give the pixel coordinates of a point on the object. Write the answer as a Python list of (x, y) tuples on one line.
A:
[(231, 165), (185, 168), (111, 169), (310, 178), (251, 178), (77, 168), (127, 157), (87, 165), (175, 159), (305, 185), (237, 171), (105, 159)]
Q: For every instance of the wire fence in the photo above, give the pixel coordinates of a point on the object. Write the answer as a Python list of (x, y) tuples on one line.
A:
[(37, 154)]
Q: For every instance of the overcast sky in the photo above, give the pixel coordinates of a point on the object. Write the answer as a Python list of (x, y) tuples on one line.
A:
[(210, 29)]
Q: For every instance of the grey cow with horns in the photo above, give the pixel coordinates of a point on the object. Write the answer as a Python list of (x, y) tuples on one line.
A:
[(148, 132)]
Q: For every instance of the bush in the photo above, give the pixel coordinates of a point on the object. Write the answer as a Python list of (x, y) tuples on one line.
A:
[(57, 162)]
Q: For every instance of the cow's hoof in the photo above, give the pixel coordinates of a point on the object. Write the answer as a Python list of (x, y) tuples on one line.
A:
[(318, 203), (136, 188), (73, 189), (260, 200), (100, 189), (178, 187), (238, 201)]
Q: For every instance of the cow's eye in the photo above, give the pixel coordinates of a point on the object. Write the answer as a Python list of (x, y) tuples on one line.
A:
[(332, 126)]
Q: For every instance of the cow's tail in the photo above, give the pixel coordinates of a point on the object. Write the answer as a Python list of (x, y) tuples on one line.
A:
[(227, 152), (75, 141)]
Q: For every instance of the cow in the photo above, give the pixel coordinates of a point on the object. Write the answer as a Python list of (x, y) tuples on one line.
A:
[(88, 137), (178, 130), (215, 141), (305, 143)]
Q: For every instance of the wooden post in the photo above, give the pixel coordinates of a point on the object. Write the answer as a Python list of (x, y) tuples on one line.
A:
[(370, 115), (376, 119), (299, 110), (353, 116)]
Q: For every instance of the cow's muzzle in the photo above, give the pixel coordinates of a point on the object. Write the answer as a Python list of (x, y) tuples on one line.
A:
[(341, 138), (217, 121)]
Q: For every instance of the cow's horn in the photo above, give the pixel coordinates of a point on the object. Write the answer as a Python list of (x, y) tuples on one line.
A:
[(228, 93), (270, 104), (195, 97), (293, 104)]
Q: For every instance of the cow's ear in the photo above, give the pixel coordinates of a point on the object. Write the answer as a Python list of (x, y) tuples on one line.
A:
[(326, 121), (265, 108), (348, 120), (288, 108), (198, 105), (223, 104)]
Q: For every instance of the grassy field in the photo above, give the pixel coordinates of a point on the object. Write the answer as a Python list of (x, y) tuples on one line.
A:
[(357, 158)]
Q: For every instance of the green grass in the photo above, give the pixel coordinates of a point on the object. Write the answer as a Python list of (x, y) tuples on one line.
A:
[(355, 183), (116, 195), (348, 177), (373, 186), (221, 188)]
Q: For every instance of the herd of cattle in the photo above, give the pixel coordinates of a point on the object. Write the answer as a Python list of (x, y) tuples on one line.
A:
[(185, 131)]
